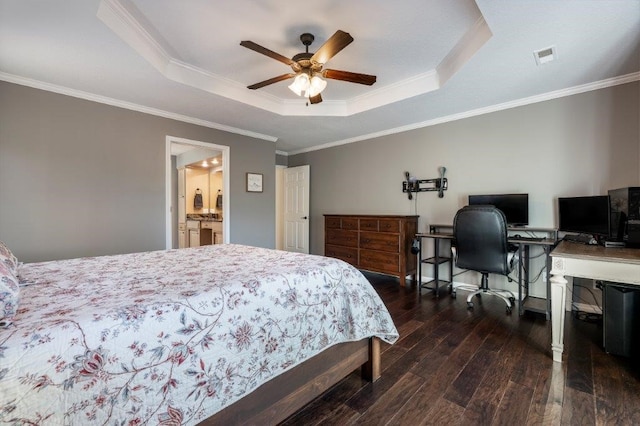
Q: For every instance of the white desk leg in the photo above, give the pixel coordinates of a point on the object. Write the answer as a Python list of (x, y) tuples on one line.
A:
[(558, 297)]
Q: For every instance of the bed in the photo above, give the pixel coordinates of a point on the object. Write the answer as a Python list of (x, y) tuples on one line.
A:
[(219, 334)]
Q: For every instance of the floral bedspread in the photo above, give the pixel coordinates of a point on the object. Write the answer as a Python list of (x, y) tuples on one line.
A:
[(171, 337)]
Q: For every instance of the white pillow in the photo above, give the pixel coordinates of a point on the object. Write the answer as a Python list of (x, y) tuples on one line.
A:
[(9, 295), (8, 258)]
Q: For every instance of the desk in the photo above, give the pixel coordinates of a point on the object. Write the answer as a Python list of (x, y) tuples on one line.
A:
[(621, 265), (445, 232)]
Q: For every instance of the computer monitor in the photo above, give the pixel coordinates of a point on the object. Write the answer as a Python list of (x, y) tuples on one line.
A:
[(514, 206), (584, 215)]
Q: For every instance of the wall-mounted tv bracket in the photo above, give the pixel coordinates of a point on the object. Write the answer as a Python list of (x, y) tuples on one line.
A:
[(412, 184)]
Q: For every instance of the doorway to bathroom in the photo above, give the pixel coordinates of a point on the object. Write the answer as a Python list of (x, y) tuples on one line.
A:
[(181, 153)]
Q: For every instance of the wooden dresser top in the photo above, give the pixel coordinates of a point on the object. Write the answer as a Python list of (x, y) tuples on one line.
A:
[(372, 216)]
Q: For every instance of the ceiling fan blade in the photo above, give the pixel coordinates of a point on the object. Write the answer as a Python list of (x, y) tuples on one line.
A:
[(315, 99), (350, 76), (328, 50), (271, 81), (270, 53)]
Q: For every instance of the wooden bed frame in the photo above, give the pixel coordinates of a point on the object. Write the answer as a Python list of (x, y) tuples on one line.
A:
[(282, 396)]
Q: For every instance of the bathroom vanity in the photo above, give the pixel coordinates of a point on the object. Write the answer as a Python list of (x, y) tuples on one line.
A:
[(202, 230)]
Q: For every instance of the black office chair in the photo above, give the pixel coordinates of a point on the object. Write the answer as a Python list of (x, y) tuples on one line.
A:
[(480, 244)]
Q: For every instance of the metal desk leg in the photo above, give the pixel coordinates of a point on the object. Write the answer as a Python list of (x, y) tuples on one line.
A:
[(419, 266), (436, 266), (527, 269), (451, 272), (523, 282), (547, 252), (520, 260)]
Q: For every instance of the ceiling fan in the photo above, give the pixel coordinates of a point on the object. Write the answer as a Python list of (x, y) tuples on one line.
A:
[(307, 67)]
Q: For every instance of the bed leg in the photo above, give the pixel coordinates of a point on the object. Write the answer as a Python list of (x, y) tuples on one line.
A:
[(371, 369)]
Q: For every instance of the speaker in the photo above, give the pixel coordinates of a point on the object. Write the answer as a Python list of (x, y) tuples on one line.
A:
[(618, 225), (621, 319), (415, 246), (625, 215)]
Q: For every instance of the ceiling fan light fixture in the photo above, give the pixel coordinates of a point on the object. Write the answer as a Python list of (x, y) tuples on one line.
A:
[(316, 85), (307, 87), (300, 84)]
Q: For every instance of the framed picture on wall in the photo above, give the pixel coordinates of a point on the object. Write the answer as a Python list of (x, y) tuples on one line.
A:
[(254, 182)]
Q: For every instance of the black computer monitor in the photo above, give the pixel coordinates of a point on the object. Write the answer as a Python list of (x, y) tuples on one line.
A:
[(514, 206), (584, 215)]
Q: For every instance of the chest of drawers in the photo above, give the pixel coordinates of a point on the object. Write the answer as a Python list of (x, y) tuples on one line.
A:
[(377, 243)]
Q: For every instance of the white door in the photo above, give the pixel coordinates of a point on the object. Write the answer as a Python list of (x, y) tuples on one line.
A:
[(296, 209)]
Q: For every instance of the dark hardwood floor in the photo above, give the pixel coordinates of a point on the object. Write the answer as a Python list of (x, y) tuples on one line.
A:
[(457, 366)]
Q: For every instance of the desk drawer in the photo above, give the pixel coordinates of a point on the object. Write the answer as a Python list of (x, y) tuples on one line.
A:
[(379, 261), (380, 241), (342, 238), (349, 255)]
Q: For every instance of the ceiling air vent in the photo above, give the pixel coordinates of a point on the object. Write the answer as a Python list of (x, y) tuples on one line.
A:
[(545, 55)]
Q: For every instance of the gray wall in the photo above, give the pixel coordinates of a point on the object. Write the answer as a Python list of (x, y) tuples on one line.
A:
[(281, 160), (79, 178), (579, 145)]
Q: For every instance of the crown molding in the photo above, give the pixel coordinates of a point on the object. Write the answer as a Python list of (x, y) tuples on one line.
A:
[(23, 81), (122, 18), (476, 37), (128, 23), (602, 84)]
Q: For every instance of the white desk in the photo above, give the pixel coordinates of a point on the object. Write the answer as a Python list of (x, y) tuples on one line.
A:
[(620, 265)]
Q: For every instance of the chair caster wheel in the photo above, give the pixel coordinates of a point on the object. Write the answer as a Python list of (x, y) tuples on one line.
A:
[(509, 310), (512, 300), (469, 305)]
